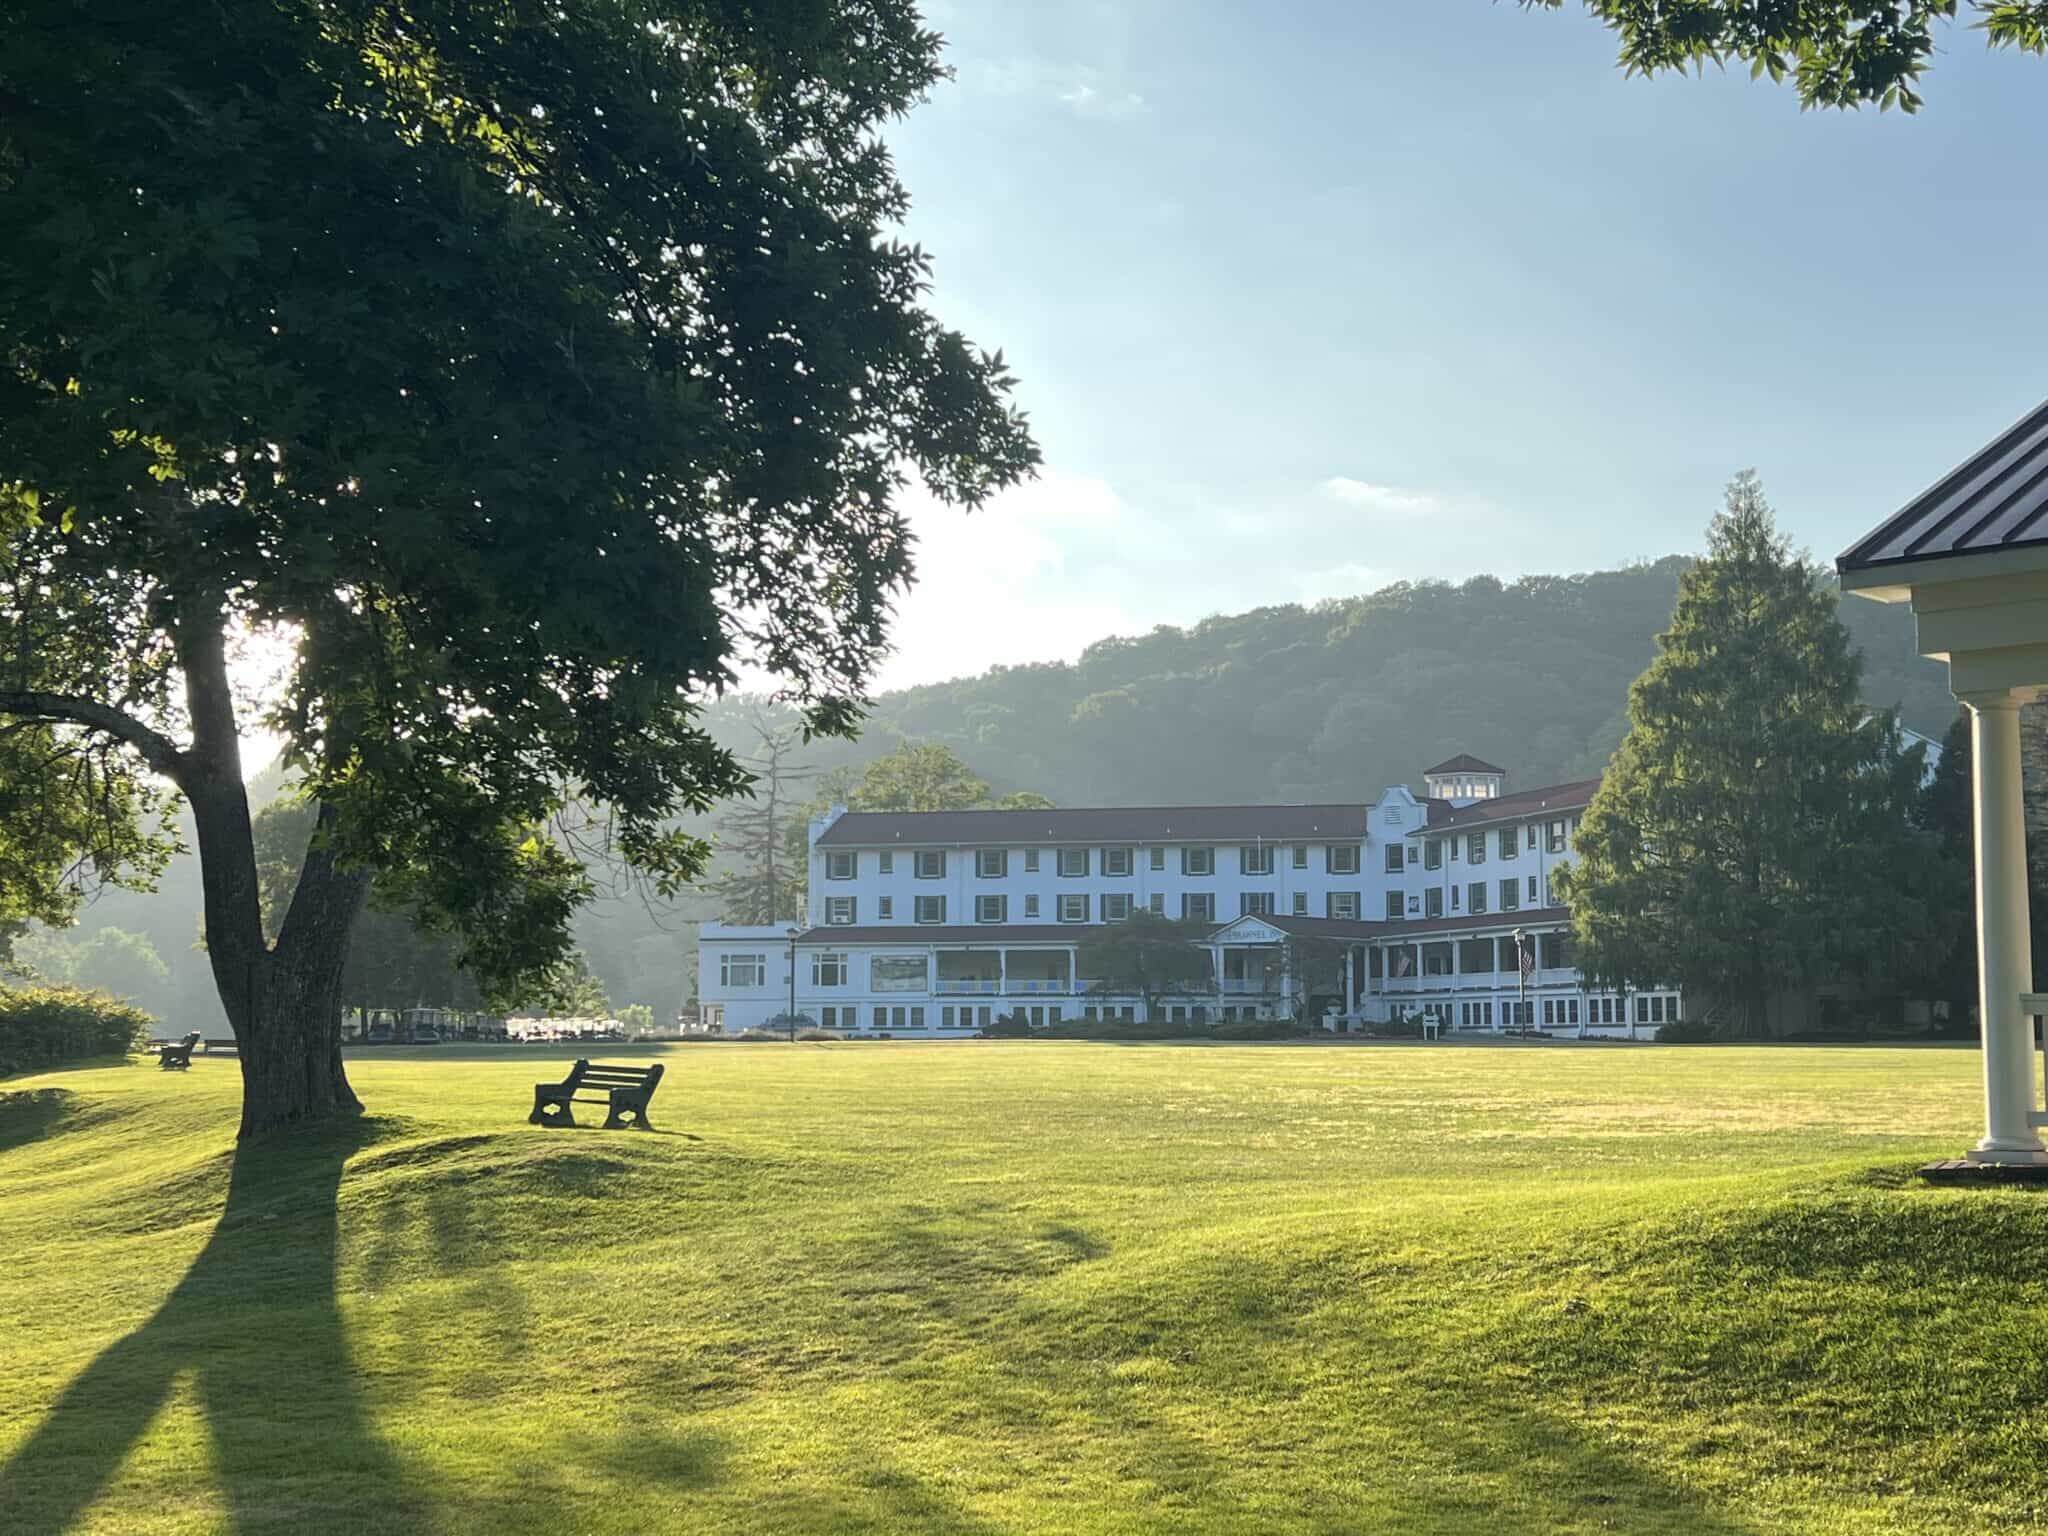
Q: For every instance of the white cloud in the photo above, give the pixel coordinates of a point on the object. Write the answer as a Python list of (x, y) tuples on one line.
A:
[(1090, 101), (1386, 498)]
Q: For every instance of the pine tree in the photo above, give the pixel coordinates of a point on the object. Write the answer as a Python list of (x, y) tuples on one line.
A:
[(1754, 831), (764, 886)]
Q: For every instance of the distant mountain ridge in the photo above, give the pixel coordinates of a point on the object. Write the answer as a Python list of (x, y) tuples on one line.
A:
[(1334, 701)]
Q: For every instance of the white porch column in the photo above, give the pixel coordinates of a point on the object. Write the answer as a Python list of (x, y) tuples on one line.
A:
[(2005, 966), (1002, 974), (1352, 960)]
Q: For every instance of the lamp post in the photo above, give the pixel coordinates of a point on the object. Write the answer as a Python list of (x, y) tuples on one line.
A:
[(1521, 979), (792, 984)]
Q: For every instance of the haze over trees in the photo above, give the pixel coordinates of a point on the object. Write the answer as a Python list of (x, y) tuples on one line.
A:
[(1757, 831), (448, 345)]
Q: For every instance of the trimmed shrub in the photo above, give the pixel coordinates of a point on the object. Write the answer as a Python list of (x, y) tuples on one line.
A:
[(1007, 1026), (54, 1026), (1255, 1029), (1684, 1032)]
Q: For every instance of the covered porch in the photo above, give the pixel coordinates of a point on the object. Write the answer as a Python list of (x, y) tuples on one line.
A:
[(1970, 555), (1003, 970)]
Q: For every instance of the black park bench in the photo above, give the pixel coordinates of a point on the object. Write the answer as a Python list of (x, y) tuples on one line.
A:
[(625, 1089), (176, 1055)]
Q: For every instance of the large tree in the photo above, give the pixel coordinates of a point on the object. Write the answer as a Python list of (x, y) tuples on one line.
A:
[(1839, 53), (765, 879), (524, 369), (1147, 956), (1755, 831)]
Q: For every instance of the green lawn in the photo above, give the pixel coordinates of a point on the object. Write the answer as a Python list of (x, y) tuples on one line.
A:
[(980, 1287)]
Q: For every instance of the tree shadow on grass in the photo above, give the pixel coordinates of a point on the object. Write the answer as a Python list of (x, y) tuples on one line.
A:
[(254, 1326)]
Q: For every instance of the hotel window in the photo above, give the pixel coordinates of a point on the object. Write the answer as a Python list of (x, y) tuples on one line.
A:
[(1074, 907), (1116, 906), (1532, 835), (840, 866), (1300, 904), (1532, 890), (1475, 897), (839, 910), (1475, 848), (1159, 858), (1511, 895), (1198, 861), (881, 1018), (1433, 902), (1343, 904), (1073, 863), (1116, 862), (1456, 891), (1301, 855), (991, 909), (828, 969), (742, 970), (898, 973), (1198, 906), (917, 1018), (1156, 903), (1255, 860), (829, 1017), (1030, 861), (1393, 906), (931, 864), (991, 863), (885, 907), (1433, 853), (1341, 858), (1436, 959), (931, 909), (1395, 862), (1510, 841), (886, 862), (945, 1018), (1553, 837), (1031, 906), (1255, 903)]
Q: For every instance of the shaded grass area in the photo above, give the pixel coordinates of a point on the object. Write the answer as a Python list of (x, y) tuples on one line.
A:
[(980, 1287)]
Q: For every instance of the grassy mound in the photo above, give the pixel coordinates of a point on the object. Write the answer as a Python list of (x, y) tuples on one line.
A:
[(985, 1287)]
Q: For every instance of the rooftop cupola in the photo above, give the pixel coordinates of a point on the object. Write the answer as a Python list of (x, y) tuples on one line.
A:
[(1463, 779)]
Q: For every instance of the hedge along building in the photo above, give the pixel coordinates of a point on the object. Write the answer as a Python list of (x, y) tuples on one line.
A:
[(1971, 555)]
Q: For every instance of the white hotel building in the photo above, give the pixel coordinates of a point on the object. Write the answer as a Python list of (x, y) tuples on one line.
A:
[(934, 923)]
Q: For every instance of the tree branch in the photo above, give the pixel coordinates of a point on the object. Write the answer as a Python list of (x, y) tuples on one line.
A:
[(158, 750)]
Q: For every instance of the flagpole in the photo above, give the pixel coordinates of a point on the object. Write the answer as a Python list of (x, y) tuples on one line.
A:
[(1521, 979)]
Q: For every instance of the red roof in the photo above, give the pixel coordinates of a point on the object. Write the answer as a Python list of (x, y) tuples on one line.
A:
[(1464, 762), (1099, 824), (1527, 802)]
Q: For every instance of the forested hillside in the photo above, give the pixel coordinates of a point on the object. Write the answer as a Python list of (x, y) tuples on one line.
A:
[(1338, 700), (1325, 703)]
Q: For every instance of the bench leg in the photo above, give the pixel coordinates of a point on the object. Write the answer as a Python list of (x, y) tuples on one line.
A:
[(622, 1108), (550, 1109)]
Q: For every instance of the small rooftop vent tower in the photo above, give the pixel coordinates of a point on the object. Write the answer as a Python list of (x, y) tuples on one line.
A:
[(1463, 779)]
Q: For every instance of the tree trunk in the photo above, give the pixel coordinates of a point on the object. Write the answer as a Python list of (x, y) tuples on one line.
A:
[(283, 1001)]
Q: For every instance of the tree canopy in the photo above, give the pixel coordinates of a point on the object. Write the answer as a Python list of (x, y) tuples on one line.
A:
[(1147, 955), (1752, 833), (447, 344), (1839, 53)]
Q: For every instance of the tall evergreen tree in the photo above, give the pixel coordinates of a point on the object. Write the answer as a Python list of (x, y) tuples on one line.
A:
[(1754, 832), (766, 883)]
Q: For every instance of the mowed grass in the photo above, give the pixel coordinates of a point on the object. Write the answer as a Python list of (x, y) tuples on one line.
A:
[(980, 1286)]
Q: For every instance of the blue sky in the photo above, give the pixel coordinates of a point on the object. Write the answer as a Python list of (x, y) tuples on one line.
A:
[(1310, 297)]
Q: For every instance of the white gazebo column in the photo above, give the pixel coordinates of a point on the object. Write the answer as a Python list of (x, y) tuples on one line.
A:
[(2005, 965)]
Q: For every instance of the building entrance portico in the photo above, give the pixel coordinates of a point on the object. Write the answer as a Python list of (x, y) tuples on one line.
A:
[(1971, 556)]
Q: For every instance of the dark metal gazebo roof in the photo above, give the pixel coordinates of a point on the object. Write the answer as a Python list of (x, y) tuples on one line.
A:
[(1996, 500)]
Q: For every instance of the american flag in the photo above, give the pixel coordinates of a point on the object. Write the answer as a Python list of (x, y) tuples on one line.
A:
[(1401, 961), (1525, 957)]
